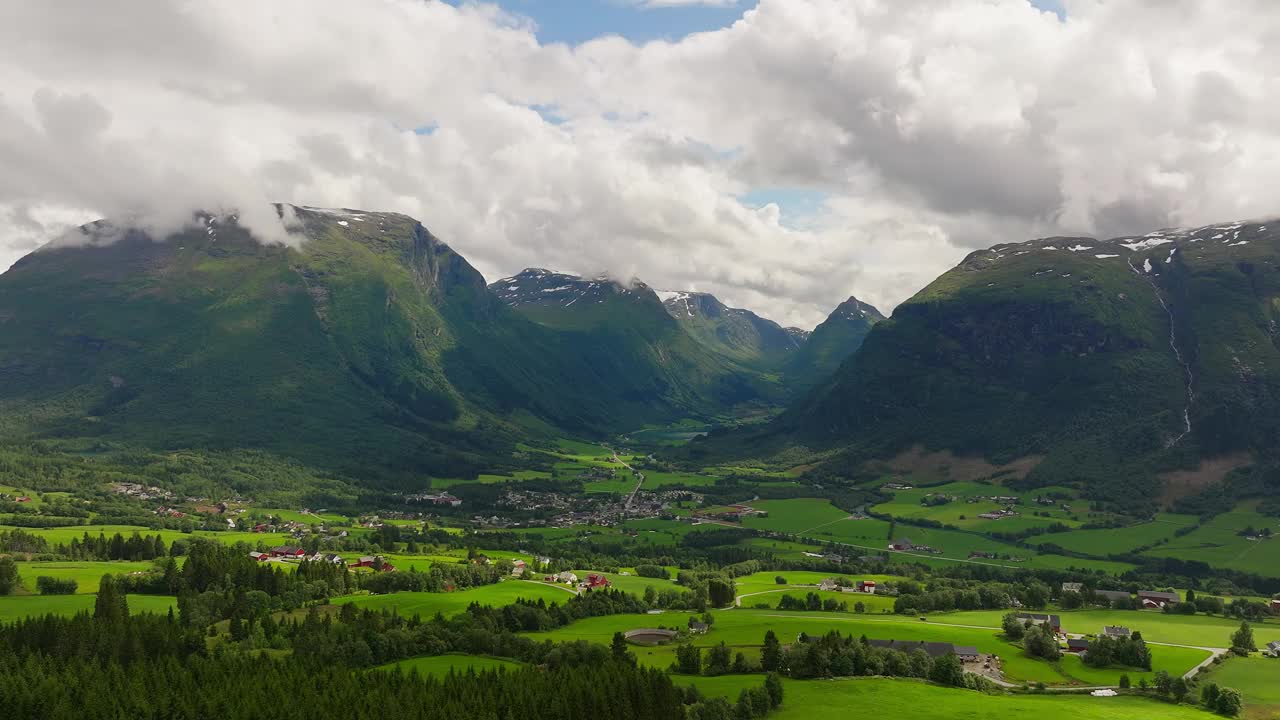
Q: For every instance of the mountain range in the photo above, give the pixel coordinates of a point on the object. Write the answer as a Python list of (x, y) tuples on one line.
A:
[(1095, 363), (374, 348)]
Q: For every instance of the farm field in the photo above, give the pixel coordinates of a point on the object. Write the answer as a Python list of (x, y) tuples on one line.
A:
[(962, 513), (1220, 544), (442, 664), (1199, 630), (1117, 540), (634, 584), (86, 574), (743, 629), (16, 607), (822, 521), (64, 535), (426, 604), (756, 582), (909, 700), (1257, 678)]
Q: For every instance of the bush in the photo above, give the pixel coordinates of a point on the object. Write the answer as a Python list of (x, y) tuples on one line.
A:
[(54, 586), (653, 571)]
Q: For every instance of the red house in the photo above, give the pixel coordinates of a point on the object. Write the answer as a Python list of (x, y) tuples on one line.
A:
[(370, 561), (288, 551), (594, 581), (259, 556)]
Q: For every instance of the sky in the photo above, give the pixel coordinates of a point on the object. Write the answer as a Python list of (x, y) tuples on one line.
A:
[(782, 154)]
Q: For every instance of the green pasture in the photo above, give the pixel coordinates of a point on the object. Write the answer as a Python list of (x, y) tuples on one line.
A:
[(903, 699), (1110, 541), (86, 574), (1219, 543), (1155, 626), (16, 607), (743, 629), (1256, 677), (426, 604)]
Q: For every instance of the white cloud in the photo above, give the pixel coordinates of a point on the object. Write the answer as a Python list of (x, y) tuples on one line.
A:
[(931, 126)]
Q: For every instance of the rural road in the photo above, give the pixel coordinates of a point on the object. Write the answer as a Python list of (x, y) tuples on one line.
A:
[(630, 498)]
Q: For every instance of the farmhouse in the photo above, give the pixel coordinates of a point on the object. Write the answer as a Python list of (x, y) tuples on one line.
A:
[(1275, 605), (828, 584), (1112, 595), (594, 582), (698, 628), (866, 586), (1072, 587), (934, 649), (1077, 646), (1157, 600), (370, 561), (1116, 631), (259, 556), (1273, 649), (1053, 622), (567, 577), (288, 551)]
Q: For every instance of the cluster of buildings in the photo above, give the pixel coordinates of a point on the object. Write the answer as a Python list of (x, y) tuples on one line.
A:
[(861, 586), (905, 545), (593, 581), (140, 491), (1000, 514), (440, 498), (1150, 599)]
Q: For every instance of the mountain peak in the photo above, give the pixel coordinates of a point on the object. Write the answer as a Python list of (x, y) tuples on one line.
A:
[(855, 309)]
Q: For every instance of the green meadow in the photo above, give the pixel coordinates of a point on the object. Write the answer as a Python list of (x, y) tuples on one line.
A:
[(427, 604), (1257, 678), (911, 700), (743, 629), (1199, 630), (1219, 543), (1118, 540), (16, 607), (86, 574)]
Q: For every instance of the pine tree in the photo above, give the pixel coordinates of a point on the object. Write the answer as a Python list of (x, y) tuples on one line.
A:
[(771, 654)]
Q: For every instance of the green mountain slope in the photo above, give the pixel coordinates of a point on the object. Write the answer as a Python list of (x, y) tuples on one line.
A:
[(738, 334), (824, 349), (1062, 348), (625, 333), (373, 348)]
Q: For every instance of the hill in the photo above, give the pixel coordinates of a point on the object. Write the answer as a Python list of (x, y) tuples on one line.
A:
[(1106, 362), (824, 349), (735, 333), (373, 347), (623, 330)]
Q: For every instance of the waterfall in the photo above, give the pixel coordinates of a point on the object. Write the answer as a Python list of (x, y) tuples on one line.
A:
[(1173, 343)]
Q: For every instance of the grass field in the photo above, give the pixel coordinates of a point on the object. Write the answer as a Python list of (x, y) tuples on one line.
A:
[(1118, 540), (15, 607), (743, 629), (822, 521), (426, 605), (909, 700), (1200, 630), (442, 664), (1257, 678), (1219, 543), (64, 535), (86, 574), (964, 514)]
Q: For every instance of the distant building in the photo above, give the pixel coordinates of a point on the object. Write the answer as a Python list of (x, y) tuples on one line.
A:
[(1273, 648), (698, 628), (288, 551), (567, 577), (260, 556), (1053, 622), (1072, 587), (934, 649), (828, 584), (1077, 646), (1116, 631), (1157, 600), (866, 586), (1113, 595)]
